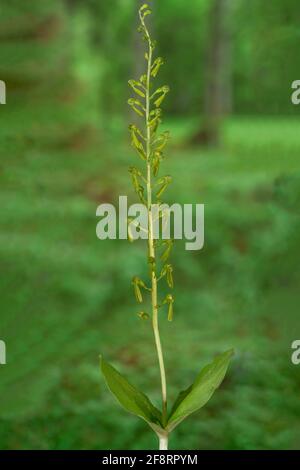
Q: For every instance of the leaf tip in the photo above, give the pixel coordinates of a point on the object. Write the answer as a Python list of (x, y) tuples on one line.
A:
[(230, 352)]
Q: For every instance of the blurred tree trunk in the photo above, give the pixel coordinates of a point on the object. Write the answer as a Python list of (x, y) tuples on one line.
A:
[(37, 67), (218, 92)]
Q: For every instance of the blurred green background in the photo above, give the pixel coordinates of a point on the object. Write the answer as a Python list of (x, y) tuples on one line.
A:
[(65, 296)]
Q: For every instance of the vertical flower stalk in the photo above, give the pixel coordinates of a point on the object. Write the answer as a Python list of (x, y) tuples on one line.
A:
[(150, 148), (149, 186), (152, 257)]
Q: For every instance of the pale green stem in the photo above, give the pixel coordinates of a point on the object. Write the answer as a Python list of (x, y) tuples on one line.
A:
[(152, 252), (163, 442)]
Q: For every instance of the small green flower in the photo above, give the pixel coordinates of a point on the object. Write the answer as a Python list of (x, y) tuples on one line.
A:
[(169, 300), (143, 315)]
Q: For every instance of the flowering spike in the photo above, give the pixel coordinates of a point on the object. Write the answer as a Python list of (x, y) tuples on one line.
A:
[(150, 146)]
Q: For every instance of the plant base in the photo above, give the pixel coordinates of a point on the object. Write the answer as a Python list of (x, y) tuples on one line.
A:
[(163, 441)]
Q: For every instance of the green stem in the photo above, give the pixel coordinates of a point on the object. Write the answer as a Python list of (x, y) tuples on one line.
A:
[(163, 441), (151, 247)]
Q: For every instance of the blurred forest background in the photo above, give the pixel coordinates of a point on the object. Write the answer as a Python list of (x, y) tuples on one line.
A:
[(66, 296)]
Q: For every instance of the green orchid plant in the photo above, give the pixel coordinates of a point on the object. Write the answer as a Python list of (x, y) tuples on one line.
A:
[(150, 186)]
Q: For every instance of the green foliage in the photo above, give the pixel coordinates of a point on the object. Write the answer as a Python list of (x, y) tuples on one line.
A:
[(234, 296), (261, 67), (187, 402), (129, 397), (198, 394)]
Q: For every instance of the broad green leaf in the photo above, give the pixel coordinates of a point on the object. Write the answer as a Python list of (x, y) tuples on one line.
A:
[(198, 394), (129, 397)]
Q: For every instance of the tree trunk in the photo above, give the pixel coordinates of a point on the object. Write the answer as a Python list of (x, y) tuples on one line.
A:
[(218, 96)]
